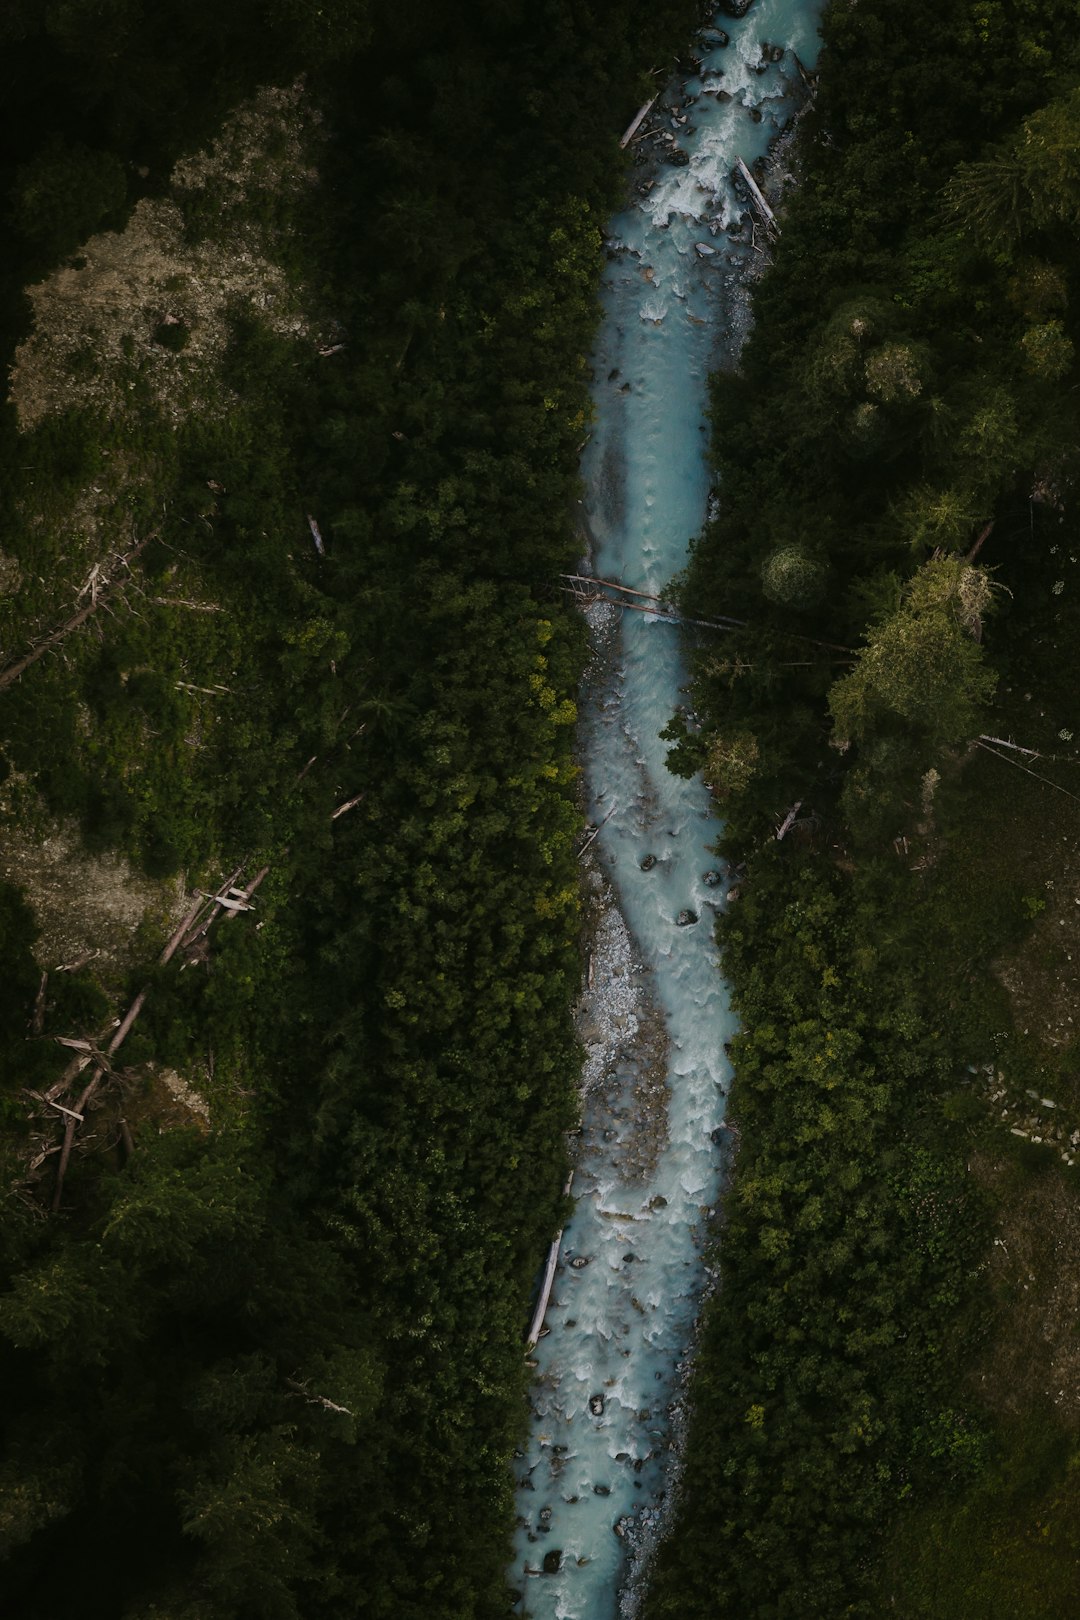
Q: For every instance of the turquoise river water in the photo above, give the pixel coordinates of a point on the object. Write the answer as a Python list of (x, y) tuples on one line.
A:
[(602, 1454)]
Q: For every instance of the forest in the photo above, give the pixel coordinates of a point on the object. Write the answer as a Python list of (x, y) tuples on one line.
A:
[(270, 1363), (882, 1412), (298, 387)]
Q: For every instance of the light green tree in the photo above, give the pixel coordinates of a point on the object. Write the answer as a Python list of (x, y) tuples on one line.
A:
[(922, 665), (792, 577)]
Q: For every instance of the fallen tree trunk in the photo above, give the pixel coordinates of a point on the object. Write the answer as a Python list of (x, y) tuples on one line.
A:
[(537, 1323), (757, 195), (12, 672), (788, 821), (636, 123)]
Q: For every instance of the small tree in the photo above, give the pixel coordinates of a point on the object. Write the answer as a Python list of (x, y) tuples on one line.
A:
[(792, 577), (731, 763), (922, 664)]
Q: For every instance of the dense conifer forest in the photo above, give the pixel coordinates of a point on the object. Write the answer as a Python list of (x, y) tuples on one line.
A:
[(885, 1417), (271, 1365), (298, 300)]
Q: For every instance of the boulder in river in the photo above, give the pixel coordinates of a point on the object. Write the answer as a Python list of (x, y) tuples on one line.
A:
[(601, 1490), (711, 879), (553, 1561), (579, 1262), (647, 862), (596, 1405), (735, 8), (686, 918)]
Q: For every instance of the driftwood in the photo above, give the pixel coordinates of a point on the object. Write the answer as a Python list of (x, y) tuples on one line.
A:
[(636, 122), (98, 594), (757, 195), (595, 833), (316, 535), (537, 1323)]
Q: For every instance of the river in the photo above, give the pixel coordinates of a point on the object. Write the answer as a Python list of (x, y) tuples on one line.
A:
[(602, 1450)]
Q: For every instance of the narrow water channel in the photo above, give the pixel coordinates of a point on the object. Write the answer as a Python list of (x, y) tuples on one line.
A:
[(602, 1448)]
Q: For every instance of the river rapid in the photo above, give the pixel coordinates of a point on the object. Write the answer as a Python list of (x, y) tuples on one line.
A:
[(602, 1451)]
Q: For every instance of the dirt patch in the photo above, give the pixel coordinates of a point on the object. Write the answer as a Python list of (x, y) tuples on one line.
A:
[(98, 328), (1035, 1352), (1043, 978), (88, 907)]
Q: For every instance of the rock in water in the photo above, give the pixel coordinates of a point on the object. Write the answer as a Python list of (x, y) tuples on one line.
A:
[(711, 879), (553, 1561), (647, 862), (686, 919), (596, 1405)]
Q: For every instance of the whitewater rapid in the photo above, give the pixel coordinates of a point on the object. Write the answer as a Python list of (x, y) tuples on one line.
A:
[(598, 1465)]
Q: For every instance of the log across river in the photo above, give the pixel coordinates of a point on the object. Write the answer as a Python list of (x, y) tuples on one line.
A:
[(600, 1461)]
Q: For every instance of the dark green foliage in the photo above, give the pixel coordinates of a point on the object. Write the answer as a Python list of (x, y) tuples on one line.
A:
[(906, 382), (296, 1338), (65, 194)]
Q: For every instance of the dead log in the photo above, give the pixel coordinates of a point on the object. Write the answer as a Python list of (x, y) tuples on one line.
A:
[(318, 1400), (980, 542), (37, 1020), (69, 1111), (636, 122), (596, 831), (1032, 753), (349, 804), (757, 195), (788, 821), (97, 596), (540, 1312), (69, 1136)]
